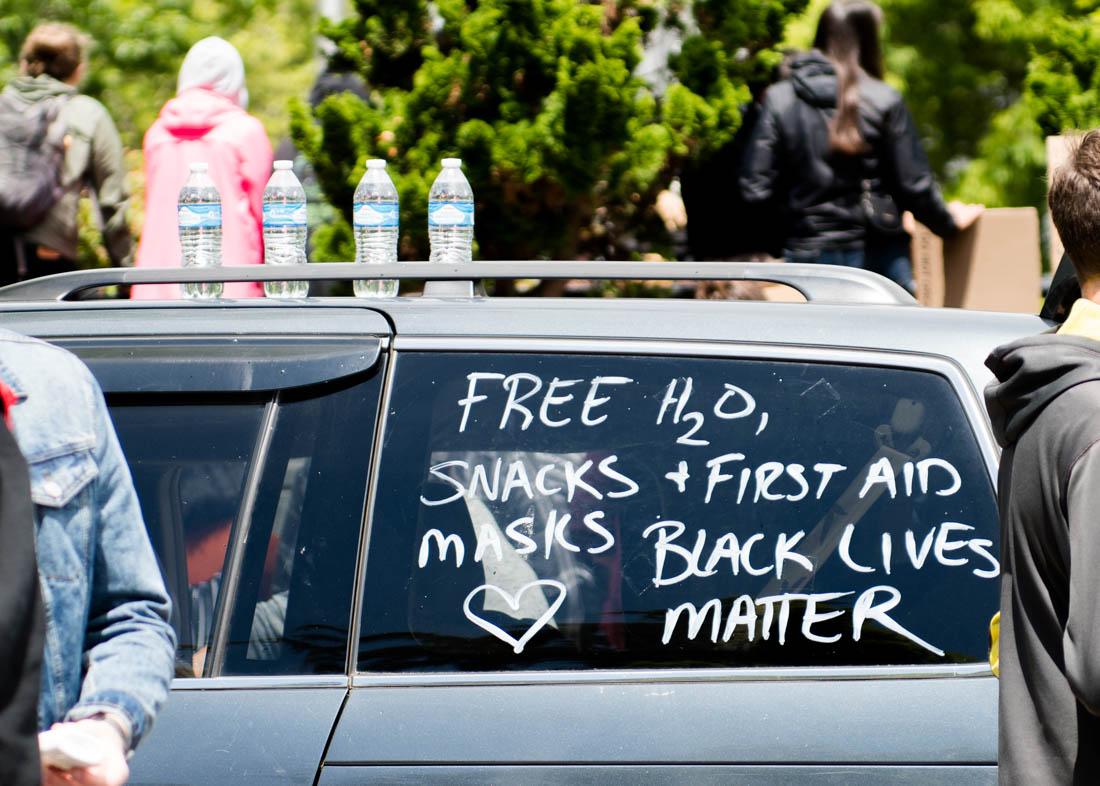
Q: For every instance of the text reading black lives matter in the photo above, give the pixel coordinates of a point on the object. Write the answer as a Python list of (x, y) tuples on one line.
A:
[(684, 553)]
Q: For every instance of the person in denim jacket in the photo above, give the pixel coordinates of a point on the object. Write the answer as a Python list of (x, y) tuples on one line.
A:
[(109, 646)]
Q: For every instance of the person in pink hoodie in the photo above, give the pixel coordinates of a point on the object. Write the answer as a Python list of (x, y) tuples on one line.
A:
[(206, 121)]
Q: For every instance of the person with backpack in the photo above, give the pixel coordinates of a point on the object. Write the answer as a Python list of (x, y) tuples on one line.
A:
[(54, 142)]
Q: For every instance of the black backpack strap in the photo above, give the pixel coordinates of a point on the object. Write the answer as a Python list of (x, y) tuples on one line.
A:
[(34, 149), (55, 133)]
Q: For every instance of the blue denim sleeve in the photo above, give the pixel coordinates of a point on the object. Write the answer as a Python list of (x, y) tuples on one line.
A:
[(129, 645)]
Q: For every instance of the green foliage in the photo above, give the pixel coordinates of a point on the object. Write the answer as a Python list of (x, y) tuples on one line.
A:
[(381, 39), (988, 80), (733, 52), (138, 45), (731, 57), (129, 38), (276, 41), (566, 147), (801, 29), (137, 48), (563, 144), (954, 81)]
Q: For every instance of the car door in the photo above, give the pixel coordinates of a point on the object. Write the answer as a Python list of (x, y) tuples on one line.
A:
[(251, 456), (642, 563)]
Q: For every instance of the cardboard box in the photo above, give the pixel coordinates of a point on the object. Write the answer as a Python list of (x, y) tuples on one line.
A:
[(926, 252), (993, 266)]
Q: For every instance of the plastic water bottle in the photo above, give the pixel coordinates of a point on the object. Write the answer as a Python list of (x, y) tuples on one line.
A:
[(376, 227), (451, 215), (285, 228), (199, 212)]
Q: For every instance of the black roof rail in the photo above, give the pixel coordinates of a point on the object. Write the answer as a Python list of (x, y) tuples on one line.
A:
[(816, 283)]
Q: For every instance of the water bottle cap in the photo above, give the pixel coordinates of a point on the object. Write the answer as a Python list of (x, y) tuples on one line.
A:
[(284, 164), (376, 163), (198, 166), (452, 162)]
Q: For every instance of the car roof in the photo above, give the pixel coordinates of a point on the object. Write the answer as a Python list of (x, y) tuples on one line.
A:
[(966, 336), (963, 336), (874, 327), (848, 309)]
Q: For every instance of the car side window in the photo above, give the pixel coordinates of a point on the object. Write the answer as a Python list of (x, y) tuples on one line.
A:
[(581, 511), (294, 594), (189, 462), (291, 594)]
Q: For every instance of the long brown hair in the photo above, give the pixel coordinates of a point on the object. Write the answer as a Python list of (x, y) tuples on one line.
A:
[(848, 34)]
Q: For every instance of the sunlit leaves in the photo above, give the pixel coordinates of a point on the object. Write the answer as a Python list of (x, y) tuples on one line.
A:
[(538, 97)]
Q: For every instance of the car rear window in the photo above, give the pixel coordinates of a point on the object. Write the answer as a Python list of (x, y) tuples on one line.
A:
[(551, 511)]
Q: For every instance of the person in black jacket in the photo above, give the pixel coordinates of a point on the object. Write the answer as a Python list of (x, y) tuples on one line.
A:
[(837, 150)]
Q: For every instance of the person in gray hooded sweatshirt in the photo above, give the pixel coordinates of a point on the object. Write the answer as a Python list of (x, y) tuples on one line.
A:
[(51, 65), (1045, 410)]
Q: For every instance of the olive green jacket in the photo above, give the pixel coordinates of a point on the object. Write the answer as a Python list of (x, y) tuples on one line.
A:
[(93, 159)]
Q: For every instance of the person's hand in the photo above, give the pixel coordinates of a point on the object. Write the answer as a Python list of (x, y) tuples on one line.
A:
[(964, 214), (198, 661), (670, 208), (909, 223), (112, 770)]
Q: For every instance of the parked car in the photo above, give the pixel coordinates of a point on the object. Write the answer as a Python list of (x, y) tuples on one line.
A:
[(468, 539)]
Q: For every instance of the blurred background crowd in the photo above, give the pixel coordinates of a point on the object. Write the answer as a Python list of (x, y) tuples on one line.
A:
[(590, 112)]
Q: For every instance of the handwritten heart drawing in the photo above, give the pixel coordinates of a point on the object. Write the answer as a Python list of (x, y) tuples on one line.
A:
[(513, 603)]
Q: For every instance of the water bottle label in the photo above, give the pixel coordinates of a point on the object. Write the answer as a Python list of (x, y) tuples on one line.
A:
[(203, 215), (450, 214), (375, 214), (285, 214)]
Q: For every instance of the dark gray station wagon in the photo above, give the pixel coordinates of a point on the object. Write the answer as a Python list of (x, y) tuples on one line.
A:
[(456, 538)]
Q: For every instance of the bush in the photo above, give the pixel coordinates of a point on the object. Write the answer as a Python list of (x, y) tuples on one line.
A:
[(565, 146)]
